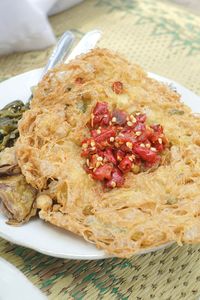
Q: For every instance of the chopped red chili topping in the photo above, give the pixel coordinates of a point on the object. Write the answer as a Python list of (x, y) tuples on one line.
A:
[(119, 143)]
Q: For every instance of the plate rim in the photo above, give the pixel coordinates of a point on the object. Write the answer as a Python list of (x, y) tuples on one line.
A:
[(11, 239), (77, 257)]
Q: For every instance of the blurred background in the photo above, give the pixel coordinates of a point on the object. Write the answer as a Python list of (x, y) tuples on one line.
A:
[(193, 5), (160, 35)]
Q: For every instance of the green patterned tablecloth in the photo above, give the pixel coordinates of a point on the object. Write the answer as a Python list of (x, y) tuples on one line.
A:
[(163, 39)]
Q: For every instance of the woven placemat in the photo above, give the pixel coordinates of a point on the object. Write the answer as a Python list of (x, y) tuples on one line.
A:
[(164, 39)]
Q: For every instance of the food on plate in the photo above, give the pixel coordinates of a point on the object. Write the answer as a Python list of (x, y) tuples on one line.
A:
[(9, 117), (113, 155), (17, 198)]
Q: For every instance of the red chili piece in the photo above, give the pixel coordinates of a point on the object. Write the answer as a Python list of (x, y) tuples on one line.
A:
[(125, 165), (100, 116), (119, 141), (79, 80), (105, 135), (116, 180), (145, 154), (117, 87), (103, 172), (108, 155), (120, 117)]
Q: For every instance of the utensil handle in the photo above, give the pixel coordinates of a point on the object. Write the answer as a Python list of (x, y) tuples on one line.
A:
[(60, 51), (88, 42)]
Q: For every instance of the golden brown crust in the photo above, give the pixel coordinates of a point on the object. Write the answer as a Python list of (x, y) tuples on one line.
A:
[(151, 208)]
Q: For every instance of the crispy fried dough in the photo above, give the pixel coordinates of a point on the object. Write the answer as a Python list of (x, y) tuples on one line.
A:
[(152, 208)]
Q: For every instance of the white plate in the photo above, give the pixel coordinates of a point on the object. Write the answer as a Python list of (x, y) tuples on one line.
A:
[(14, 285), (44, 237)]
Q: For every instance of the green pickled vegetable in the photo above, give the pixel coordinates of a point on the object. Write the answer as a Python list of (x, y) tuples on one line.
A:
[(9, 117)]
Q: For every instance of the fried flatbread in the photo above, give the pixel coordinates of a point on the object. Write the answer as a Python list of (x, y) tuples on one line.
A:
[(152, 208)]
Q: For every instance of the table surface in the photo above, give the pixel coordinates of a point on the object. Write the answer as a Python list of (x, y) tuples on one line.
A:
[(164, 39)]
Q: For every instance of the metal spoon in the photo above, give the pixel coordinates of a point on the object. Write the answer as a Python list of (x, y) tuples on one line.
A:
[(59, 53), (88, 42)]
